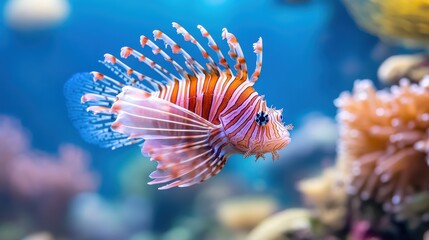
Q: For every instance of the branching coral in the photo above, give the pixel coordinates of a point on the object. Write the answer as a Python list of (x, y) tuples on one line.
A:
[(66, 175), (385, 139), (14, 143), (38, 182), (44, 174)]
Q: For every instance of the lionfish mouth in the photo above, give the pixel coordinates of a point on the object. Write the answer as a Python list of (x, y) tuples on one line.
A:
[(260, 147), (274, 155), (268, 147)]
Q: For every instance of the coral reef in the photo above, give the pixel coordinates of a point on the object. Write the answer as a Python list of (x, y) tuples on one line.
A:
[(378, 187), (234, 213), (362, 231), (47, 176), (327, 197), (383, 153), (287, 225), (14, 143), (402, 20), (384, 138), (413, 67), (38, 182)]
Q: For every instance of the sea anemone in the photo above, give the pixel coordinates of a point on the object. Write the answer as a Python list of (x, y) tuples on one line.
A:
[(384, 141)]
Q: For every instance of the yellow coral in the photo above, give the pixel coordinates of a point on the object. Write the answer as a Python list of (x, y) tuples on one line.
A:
[(279, 225), (244, 213), (407, 20), (413, 67), (384, 138), (327, 196)]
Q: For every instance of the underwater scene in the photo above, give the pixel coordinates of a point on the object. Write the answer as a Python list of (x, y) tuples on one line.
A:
[(214, 120)]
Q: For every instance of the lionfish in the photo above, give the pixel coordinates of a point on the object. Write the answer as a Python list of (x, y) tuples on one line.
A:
[(191, 121)]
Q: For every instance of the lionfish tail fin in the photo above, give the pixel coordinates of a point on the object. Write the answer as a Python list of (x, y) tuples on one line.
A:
[(89, 98), (186, 146)]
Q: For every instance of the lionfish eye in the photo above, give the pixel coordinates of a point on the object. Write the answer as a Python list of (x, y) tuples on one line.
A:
[(281, 117), (261, 118)]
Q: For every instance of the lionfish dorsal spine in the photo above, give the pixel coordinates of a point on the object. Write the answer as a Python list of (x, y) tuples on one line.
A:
[(145, 41), (257, 48), (164, 73), (190, 62), (212, 44), (188, 37), (235, 53)]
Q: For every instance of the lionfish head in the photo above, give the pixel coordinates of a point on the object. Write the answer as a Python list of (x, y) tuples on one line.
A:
[(265, 134), (273, 133)]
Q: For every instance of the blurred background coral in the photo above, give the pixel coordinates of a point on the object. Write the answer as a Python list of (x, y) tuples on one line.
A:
[(53, 185)]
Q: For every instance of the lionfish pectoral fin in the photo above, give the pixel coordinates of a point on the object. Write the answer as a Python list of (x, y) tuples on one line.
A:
[(178, 139)]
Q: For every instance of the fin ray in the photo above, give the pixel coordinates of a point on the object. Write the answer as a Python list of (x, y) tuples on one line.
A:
[(168, 130), (191, 63), (257, 48), (188, 37), (91, 116), (212, 44), (236, 53), (155, 50)]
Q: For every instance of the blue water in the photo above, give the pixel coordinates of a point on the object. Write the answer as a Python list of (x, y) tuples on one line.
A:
[(312, 52)]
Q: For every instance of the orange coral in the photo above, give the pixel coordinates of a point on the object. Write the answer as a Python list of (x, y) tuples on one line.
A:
[(384, 140)]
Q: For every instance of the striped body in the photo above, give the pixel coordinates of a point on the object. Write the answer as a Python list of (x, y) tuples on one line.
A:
[(226, 100), (207, 95), (190, 124)]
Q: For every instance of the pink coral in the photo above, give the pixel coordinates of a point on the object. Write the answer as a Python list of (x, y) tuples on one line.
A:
[(14, 142), (37, 181), (362, 231), (29, 173), (44, 174)]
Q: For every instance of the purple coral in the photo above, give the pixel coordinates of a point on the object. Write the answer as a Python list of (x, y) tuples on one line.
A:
[(45, 174), (39, 183), (362, 231), (14, 142)]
